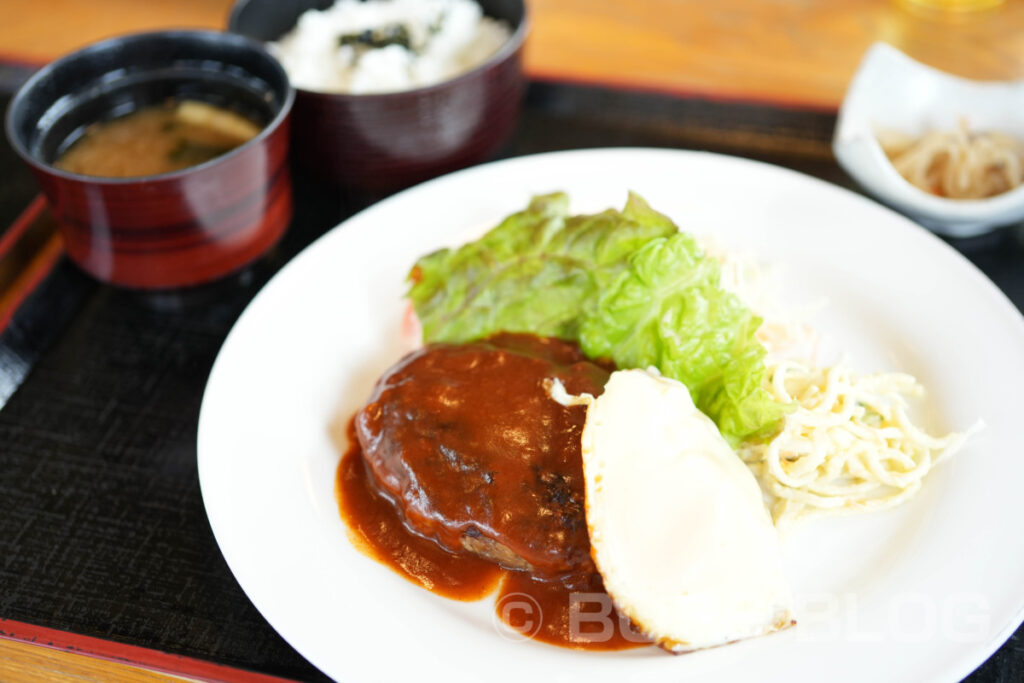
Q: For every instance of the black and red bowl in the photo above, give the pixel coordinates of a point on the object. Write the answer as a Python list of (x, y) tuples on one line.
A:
[(383, 142), (174, 229)]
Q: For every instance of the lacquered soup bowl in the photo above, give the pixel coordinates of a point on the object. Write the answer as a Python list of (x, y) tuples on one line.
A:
[(174, 229)]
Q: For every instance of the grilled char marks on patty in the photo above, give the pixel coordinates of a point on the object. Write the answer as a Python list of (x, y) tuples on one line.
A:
[(465, 442)]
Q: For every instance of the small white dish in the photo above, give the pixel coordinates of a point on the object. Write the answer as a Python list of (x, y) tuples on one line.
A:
[(892, 91)]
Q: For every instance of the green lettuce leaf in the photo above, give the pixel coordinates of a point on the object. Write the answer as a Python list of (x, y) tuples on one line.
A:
[(627, 285), (532, 273), (668, 310)]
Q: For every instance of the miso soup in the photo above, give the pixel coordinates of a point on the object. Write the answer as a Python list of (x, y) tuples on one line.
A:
[(157, 139)]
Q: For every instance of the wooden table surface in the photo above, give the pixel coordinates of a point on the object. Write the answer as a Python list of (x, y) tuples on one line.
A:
[(799, 52), (21, 661)]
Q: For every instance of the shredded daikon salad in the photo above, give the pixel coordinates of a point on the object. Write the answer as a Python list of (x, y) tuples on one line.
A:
[(958, 164), (849, 444)]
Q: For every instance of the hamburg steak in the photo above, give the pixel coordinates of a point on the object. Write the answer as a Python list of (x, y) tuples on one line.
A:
[(465, 442)]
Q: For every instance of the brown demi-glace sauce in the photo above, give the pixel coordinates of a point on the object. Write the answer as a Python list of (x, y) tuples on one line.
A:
[(377, 530), (571, 610)]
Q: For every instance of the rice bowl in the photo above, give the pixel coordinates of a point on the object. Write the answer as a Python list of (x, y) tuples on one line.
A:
[(381, 46)]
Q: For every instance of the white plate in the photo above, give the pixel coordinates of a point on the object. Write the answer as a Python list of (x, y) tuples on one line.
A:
[(923, 592)]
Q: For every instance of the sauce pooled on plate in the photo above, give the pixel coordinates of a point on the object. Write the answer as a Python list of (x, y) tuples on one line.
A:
[(462, 474)]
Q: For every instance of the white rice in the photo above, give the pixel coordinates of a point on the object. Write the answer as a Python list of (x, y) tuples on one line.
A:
[(446, 38)]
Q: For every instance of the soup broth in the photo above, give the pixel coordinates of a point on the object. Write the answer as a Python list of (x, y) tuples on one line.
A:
[(157, 139)]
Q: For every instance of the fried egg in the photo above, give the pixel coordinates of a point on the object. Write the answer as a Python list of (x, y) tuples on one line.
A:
[(678, 527)]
